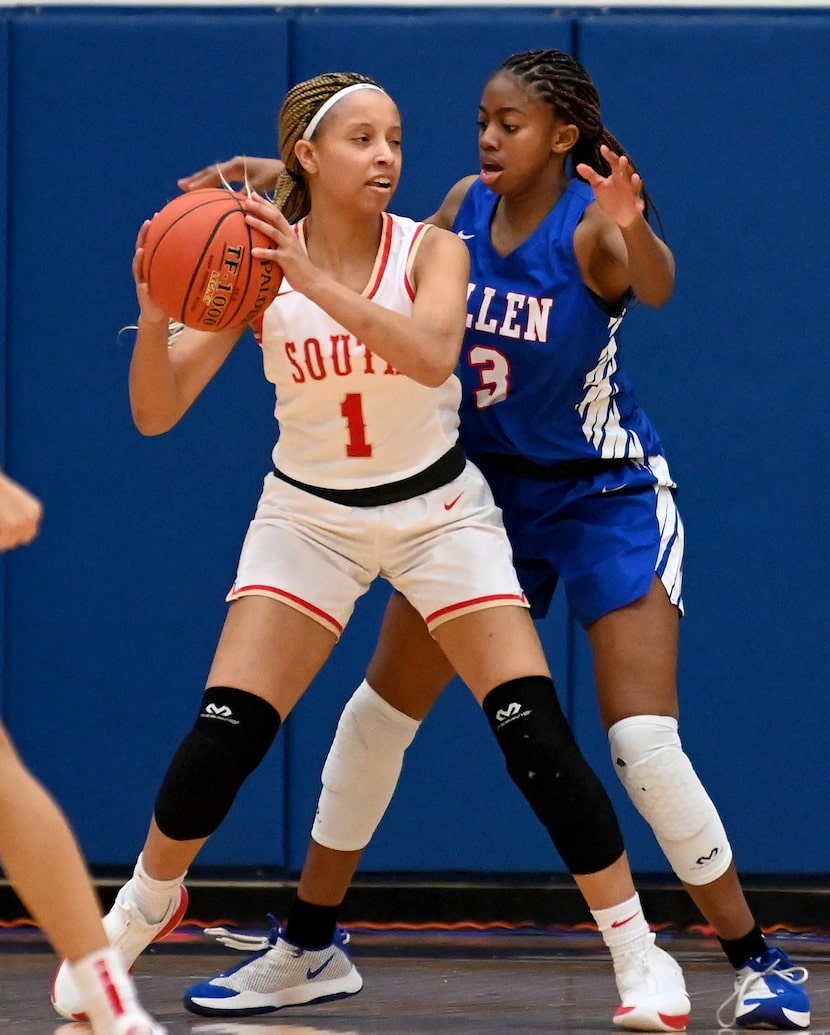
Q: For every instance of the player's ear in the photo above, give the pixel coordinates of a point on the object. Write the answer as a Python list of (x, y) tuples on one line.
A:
[(564, 138), (304, 150)]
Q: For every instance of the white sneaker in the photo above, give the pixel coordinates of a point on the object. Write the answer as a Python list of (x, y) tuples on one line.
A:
[(279, 976), (128, 931), (652, 992), (136, 1022)]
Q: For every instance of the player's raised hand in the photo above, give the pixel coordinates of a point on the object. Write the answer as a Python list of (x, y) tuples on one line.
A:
[(20, 514), (619, 194), (255, 174)]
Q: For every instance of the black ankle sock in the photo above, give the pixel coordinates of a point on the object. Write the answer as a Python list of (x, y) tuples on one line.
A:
[(738, 950), (310, 926)]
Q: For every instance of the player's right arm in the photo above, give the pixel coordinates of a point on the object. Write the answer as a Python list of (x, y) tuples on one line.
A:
[(166, 378), (20, 514)]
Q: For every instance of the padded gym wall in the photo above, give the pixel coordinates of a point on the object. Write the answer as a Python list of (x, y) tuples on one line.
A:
[(112, 616), (114, 612), (4, 425), (723, 112)]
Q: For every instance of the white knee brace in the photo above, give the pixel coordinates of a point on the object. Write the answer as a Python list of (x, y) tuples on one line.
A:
[(660, 780), (361, 771)]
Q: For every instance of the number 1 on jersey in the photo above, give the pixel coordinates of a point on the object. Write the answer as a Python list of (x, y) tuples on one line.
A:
[(352, 410)]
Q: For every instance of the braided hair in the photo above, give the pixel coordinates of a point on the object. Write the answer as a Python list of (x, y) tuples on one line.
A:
[(299, 107), (562, 82)]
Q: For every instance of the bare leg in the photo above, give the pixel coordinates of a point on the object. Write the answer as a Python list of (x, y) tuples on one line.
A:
[(297, 649), (635, 662), (408, 668), (41, 859), (327, 874)]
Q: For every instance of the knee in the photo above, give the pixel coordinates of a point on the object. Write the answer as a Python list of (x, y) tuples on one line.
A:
[(662, 783), (547, 766), (231, 736), (361, 770)]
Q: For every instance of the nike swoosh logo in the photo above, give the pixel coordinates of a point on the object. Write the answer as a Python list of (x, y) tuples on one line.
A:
[(465, 237), (311, 974), (622, 923), (449, 506)]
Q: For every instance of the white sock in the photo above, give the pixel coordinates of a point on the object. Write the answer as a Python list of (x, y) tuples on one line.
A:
[(153, 897), (624, 928), (106, 989)]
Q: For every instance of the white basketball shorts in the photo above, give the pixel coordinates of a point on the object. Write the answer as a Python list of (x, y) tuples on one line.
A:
[(445, 550)]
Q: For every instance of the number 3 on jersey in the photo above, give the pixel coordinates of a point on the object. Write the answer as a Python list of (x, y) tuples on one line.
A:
[(494, 372), (352, 411)]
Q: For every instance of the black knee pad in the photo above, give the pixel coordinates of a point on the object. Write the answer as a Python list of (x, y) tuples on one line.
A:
[(231, 737), (547, 766)]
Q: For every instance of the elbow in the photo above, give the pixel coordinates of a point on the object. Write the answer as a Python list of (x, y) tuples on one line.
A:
[(438, 363), (150, 430), (434, 375), (657, 295), (437, 379), (149, 424)]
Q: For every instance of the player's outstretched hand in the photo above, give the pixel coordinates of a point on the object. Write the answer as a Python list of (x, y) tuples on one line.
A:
[(619, 194), (20, 514), (257, 174)]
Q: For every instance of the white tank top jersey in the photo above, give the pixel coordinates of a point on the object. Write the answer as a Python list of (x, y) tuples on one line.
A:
[(347, 419)]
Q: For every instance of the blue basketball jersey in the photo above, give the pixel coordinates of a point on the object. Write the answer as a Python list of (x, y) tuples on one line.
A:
[(540, 367)]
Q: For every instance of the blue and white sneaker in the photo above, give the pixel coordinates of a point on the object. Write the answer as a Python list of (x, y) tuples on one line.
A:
[(281, 974), (768, 994)]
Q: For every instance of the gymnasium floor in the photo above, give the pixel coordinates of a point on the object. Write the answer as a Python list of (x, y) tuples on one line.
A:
[(415, 984)]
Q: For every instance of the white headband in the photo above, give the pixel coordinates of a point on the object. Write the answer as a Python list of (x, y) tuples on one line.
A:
[(326, 106)]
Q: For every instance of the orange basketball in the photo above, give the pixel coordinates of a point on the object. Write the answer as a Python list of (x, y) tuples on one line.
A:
[(198, 263)]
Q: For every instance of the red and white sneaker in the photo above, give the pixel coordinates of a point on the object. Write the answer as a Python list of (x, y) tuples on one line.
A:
[(128, 931), (137, 1023), (652, 992)]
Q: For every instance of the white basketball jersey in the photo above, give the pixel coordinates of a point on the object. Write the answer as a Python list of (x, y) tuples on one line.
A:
[(347, 419)]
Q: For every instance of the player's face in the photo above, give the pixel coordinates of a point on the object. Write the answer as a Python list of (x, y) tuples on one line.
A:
[(515, 133), (359, 149)]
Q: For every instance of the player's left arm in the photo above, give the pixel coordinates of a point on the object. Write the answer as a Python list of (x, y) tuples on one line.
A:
[(441, 277), (625, 252), (426, 344)]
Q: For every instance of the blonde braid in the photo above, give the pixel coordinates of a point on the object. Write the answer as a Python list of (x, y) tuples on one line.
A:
[(298, 108)]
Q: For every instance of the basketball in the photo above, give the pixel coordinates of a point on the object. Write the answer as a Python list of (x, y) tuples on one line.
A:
[(198, 264)]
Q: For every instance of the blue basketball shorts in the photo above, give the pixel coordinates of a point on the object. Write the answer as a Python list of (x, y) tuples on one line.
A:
[(605, 536)]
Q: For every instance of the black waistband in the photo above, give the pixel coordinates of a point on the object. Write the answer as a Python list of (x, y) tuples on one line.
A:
[(522, 467), (445, 468)]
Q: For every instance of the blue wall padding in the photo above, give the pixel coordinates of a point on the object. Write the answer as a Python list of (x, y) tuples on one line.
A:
[(724, 114), (111, 618)]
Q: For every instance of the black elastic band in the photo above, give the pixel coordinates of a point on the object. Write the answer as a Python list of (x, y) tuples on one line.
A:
[(522, 467), (445, 469)]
